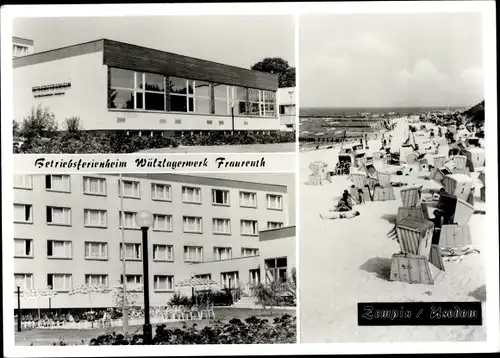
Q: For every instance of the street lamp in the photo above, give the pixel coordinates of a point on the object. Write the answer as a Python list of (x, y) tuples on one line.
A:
[(144, 220), (18, 308)]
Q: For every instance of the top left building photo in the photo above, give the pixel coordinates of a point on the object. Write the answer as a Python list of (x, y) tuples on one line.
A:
[(162, 84)]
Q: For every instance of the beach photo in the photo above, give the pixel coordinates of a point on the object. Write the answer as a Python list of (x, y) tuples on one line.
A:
[(392, 171), (156, 84), (220, 265)]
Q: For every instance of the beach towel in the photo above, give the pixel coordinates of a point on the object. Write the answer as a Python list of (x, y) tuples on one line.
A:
[(450, 254), (339, 215)]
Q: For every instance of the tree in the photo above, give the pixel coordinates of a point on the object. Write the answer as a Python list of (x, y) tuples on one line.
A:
[(40, 123), (277, 66), (269, 295)]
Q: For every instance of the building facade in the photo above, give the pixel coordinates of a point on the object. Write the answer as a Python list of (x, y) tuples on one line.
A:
[(287, 107), (68, 233), (113, 86), (22, 47)]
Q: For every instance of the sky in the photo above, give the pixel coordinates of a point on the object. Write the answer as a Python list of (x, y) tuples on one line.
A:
[(233, 40), (391, 60)]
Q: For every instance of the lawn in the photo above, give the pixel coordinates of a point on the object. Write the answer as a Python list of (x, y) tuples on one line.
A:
[(45, 337)]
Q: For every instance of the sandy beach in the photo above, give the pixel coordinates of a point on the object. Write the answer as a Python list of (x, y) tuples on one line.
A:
[(343, 262)]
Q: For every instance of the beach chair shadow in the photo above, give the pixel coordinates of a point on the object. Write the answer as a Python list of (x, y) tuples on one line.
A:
[(479, 293), (391, 218), (381, 266)]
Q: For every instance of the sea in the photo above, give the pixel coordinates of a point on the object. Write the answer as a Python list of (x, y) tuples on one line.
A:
[(327, 122)]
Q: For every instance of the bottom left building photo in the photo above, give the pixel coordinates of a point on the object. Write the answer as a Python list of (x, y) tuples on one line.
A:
[(155, 258)]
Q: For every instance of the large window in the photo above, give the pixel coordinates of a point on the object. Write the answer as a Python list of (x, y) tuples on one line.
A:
[(161, 192), (181, 95), (131, 189), (136, 90), (129, 220), (57, 183), (245, 252), (95, 218), (253, 102), (23, 182), (94, 186), (60, 281), (276, 269), (59, 249), (229, 279), (240, 100), (220, 197), (192, 224), (222, 95), (24, 281), (222, 253), (96, 250), (202, 95), (23, 247), (96, 280), (162, 222), (274, 202), (249, 227), (23, 213), (132, 251), (193, 253), (58, 216), (254, 278), (221, 226), (163, 252), (191, 195), (267, 102), (248, 199), (132, 280), (163, 283)]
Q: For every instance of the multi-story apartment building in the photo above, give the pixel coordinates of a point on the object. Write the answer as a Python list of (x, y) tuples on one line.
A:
[(22, 47), (67, 232), (115, 86)]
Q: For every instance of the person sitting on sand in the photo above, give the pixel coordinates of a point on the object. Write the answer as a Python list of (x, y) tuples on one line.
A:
[(344, 204), (333, 216)]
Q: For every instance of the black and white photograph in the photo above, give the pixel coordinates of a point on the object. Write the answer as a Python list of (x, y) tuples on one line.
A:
[(157, 84), (220, 265), (392, 170)]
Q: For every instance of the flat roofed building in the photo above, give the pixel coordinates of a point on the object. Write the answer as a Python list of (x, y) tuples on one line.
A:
[(22, 47), (287, 107), (113, 86), (67, 230)]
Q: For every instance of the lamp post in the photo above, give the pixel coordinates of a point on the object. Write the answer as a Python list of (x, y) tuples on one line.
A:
[(18, 308), (144, 220)]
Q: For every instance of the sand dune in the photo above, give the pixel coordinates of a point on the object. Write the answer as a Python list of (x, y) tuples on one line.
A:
[(343, 262)]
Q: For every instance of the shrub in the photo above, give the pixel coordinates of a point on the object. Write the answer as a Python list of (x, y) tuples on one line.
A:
[(253, 331), (180, 300)]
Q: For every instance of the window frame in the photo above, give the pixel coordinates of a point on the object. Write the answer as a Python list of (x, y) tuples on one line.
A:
[(30, 187), (96, 178), (88, 275), (31, 214), (281, 200), (32, 247), (193, 217), (169, 188), (170, 281), (256, 227), (105, 226), (68, 191), (281, 225), (53, 257), (169, 248), (201, 250), (227, 195), (168, 218), (91, 258), (66, 289), (121, 188), (68, 209), (26, 274), (120, 223), (249, 248), (122, 253), (191, 202), (220, 232), (248, 192), (217, 255)]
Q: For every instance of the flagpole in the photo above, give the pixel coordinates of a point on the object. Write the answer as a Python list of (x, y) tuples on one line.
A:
[(124, 302)]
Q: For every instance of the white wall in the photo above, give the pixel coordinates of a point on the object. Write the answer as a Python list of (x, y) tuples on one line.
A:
[(86, 98)]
